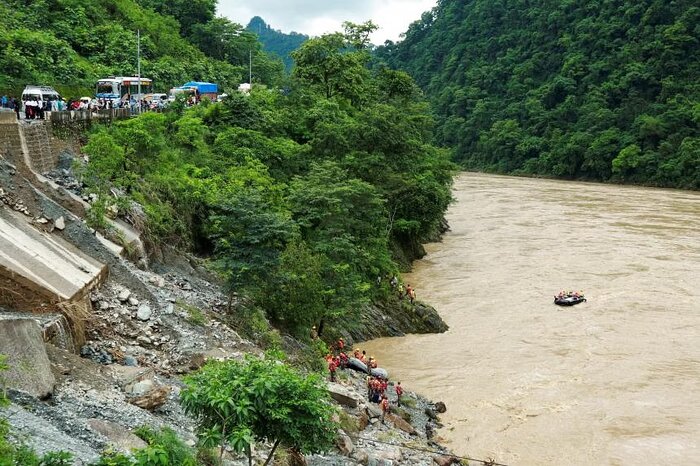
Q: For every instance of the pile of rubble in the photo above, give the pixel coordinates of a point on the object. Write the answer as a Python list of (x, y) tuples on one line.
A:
[(172, 335), (15, 204)]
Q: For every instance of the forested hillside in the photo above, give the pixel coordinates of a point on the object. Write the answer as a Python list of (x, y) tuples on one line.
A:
[(302, 198), (589, 89), (69, 44), (276, 41)]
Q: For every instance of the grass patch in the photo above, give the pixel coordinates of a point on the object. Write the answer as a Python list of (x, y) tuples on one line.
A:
[(408, 402), (348, 423), (402, 413), (389, 436), (195, 316)]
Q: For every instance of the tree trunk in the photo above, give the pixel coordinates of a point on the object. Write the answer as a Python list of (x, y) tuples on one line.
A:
[(272, 453), (320, 327)]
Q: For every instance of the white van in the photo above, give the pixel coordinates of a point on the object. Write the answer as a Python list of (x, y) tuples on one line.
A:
[(39, 93)]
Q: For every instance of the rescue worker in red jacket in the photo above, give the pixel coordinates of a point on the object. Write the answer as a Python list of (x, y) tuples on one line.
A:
[(385, 407), (332, 367), (399, 391)]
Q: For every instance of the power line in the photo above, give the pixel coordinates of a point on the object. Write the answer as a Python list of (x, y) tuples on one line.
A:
[(488, 462)]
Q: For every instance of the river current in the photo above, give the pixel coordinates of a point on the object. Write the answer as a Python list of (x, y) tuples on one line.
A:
[(613, 381)]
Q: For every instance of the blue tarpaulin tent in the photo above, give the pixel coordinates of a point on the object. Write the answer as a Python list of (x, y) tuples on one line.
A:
[(203, 88)]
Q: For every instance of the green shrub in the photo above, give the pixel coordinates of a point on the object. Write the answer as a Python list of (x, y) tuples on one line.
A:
[(177, 452)]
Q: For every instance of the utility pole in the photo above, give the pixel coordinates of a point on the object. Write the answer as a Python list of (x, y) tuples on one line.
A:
[(138, 67)]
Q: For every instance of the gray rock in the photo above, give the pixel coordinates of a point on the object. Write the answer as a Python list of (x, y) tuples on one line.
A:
[(141, 388), (29, 367), (117, 436), (361, 457), (344, 443), (44, 437), (130, 361), (124, 295), (133, 301), (342, 395), (373, 411), (60, 223), (144, 313)]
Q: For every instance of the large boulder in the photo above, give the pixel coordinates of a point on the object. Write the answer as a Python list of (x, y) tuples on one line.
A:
[(399, 423), (21, 340), (440, 407), (153, 399), (344, 443), (117, 436), (342, 395)]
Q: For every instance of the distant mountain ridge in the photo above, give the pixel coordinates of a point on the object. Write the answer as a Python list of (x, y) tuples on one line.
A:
[(276, 41)]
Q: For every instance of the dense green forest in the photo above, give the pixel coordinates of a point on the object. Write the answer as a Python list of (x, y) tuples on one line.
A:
[(302, 199), (276, 41), (586, 89), (69, 44)]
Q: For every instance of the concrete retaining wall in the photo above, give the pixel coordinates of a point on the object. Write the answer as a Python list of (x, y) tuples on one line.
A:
[(39, 270)]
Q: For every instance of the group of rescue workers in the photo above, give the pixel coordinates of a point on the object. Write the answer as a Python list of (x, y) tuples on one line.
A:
[(377, 387)]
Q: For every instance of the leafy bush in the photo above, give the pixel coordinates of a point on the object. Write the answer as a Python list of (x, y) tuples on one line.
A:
[(238, 402), (166, 440)]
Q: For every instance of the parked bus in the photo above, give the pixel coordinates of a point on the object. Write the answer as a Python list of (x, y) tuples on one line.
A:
[(117, 88)]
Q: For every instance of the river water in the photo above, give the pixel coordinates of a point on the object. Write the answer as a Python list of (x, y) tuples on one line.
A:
[(613, 381)]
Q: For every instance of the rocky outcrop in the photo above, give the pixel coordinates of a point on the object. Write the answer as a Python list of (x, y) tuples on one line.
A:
[(118, 437), (393, 318), (21, 340)]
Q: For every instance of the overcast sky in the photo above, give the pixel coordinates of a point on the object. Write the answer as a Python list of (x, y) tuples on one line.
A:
[(315, 17)]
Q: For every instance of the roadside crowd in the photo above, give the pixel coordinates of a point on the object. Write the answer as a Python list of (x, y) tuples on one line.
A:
[(34, 108)]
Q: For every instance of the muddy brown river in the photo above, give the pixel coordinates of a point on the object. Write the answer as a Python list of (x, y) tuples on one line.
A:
[(613, 381)]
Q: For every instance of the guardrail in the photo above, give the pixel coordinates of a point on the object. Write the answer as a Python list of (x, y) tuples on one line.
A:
[(86, 115)]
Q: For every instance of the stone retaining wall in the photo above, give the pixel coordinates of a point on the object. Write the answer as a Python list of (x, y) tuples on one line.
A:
[(10, 140)]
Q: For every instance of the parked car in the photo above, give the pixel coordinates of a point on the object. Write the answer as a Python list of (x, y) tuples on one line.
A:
[(39, 93)]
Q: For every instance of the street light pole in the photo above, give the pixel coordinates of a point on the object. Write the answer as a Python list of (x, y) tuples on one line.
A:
[(138, 67)]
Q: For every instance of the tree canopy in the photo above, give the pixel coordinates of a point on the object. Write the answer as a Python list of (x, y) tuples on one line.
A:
[(301, 198), (239, 402), (70, 44), (598, 90)]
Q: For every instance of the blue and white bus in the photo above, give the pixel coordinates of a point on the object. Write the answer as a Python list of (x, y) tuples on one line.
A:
[(117, 88)]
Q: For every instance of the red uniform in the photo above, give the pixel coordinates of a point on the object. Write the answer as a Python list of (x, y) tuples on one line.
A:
[(399, 392), (332, 366), (385, 408)]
